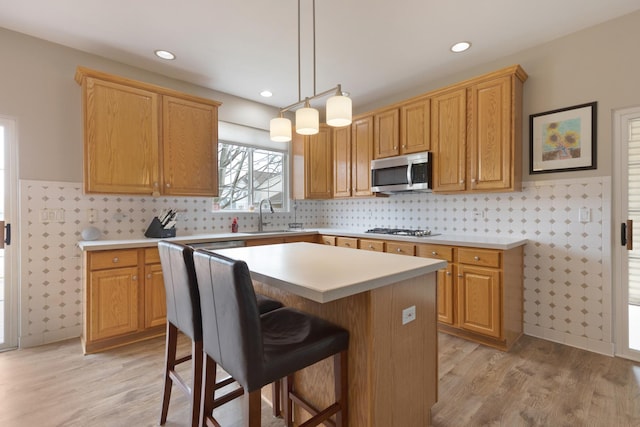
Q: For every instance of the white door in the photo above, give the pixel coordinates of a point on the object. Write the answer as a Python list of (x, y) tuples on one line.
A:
[(8, 235), (626, 182)]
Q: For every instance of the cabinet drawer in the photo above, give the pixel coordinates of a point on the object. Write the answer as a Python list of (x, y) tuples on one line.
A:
[(483, 257), (347, 242), (110, 259), (400, 248), (435, 251), (372, 245), (328, 240), (151, 256)]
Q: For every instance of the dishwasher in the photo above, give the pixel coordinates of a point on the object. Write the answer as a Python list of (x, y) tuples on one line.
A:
[(222, 244)]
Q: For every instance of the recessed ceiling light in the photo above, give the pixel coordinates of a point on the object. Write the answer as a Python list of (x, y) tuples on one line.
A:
[(164, 54), (460, 47), (266, 93)]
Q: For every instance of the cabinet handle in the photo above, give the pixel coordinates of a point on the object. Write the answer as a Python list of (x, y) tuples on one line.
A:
[(473, 180), (398, 250), (370, 246), (462, 181), (448, 273), (168, 185), (477, 258), (347, 244), (460, 275), (134, 277), (115, 260), (404, 146), (149, 276), (395, 147), (434, 253)]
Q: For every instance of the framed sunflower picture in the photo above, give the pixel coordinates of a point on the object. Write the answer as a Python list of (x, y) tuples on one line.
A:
[(563, 140)]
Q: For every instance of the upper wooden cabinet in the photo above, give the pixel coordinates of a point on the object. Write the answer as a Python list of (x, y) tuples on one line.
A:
[(352, 155), (403, 129), (476, 133), (415, 126), (145, 139), (312, 165), (386, 133)]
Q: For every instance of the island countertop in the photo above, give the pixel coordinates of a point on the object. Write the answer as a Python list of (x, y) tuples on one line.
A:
[(326, 273)]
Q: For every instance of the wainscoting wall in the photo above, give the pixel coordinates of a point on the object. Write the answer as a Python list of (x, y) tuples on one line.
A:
[(567, 289)]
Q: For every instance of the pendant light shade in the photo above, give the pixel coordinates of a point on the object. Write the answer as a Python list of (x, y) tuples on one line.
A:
[(338, 108), (280, 129), (307, 120), (339, 111)]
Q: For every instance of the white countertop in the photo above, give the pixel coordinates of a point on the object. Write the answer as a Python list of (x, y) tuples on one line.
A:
[(488, 242), (325, 273)]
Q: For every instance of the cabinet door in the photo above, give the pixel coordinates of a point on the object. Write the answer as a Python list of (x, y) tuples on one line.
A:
[(490, 140), (190, 147), (479, 300), (121, 142), (318, 165), (445, 295), (415, 126), (386, 133), (342, 162), (362, 145), (155, 305), (113, 307), (448, 137)]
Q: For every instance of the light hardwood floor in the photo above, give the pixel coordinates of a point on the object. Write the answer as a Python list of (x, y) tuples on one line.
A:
[(538, 383)]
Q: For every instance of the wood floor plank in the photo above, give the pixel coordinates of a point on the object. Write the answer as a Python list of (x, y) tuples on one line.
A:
[(538, 383)]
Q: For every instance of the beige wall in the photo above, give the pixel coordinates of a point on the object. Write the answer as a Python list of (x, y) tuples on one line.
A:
[(38, 90), (597, 64)]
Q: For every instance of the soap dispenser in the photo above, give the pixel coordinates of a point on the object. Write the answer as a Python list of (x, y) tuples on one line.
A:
[(234, 225)]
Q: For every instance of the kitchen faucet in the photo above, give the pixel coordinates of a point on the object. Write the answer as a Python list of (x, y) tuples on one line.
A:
[(261, 224)]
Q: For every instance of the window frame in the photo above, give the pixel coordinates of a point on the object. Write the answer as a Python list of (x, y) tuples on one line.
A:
[(252, 205)]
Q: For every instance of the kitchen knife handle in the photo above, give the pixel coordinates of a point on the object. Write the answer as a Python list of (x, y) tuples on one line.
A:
[(626, 234)]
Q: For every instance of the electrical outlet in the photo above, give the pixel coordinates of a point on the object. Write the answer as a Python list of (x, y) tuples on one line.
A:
[(408, 314)]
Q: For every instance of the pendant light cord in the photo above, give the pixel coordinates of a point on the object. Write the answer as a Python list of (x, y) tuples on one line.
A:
[(299, 84), (314, 48)]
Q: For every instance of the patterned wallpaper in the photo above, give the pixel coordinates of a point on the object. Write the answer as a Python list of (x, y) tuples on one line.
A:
[(567, 263)]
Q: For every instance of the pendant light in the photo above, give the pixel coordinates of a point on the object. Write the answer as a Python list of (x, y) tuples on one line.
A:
[(338, 107)]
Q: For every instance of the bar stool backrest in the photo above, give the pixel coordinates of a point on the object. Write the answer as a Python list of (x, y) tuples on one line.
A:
[(183, 297), (230, 318)]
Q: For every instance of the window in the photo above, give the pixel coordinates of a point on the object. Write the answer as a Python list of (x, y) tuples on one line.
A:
[(248, 175)]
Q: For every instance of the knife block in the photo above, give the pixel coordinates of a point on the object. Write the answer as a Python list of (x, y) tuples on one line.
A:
[(156, 230)]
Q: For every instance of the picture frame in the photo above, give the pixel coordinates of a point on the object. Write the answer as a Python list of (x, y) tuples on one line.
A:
[(563, 140)]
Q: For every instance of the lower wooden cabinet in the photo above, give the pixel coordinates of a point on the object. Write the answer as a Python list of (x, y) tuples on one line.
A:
[(124, 298), (480, 292)]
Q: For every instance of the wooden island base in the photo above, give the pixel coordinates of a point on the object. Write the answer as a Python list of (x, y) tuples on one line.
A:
[(393, 372)]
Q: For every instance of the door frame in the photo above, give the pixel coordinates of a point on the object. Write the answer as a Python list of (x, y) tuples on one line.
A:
[(621, 270), (11, 276)]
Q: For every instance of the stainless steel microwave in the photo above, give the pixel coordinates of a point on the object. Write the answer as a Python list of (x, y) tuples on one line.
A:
[(411, 172)]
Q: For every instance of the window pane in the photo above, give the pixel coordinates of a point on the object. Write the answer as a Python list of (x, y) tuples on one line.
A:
[(268, 177), (233, 173)]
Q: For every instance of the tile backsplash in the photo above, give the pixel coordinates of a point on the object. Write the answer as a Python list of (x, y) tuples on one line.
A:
[(567, 287)]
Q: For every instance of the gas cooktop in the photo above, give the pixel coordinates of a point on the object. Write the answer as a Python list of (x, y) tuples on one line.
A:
[(402, 232)]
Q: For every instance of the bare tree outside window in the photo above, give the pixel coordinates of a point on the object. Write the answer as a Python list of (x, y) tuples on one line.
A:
[(248, 175)]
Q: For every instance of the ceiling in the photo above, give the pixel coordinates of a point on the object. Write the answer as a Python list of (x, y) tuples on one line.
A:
[(374, 48)]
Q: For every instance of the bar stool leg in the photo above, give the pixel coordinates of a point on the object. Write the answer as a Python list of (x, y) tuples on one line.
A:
[(253, 408), (287, 387), (341, 384), (208, 389), (170, 363), (196, 384)]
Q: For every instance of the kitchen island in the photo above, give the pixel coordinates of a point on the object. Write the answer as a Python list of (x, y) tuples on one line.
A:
[(388, 304)]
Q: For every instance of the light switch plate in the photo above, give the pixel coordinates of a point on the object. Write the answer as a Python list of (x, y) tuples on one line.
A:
[(408, 314), (584, 215)]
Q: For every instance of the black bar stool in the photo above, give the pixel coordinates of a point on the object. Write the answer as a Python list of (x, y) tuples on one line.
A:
[(183, 314), (257, 350)]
